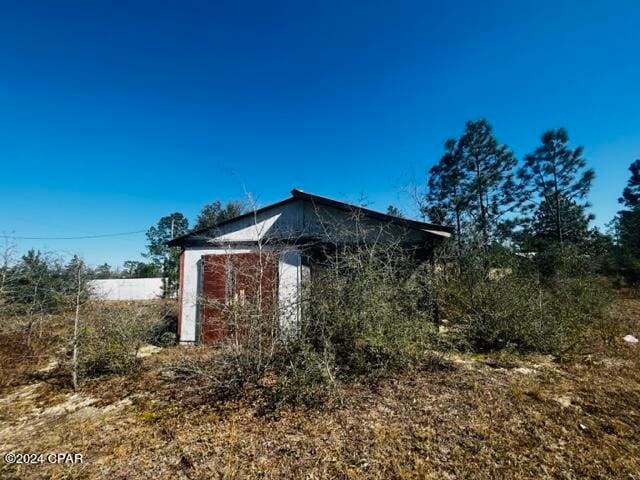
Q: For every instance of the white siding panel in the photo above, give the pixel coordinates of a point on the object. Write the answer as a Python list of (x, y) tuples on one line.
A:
[(289, 289)]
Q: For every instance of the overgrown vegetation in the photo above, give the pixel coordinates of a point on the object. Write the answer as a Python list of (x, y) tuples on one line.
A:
[(538, 304), (486, 416), (111, 336), (369, 312), (47, 314), (365, 312), (367, 309), (523, 273)]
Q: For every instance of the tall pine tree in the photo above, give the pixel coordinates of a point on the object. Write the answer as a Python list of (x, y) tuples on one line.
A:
[(488, 184), (555, 180)]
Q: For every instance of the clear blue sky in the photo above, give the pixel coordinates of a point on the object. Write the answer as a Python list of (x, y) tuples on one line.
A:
[(113, 114)]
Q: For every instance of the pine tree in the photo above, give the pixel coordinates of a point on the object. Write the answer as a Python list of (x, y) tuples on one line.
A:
[(488, 188), (394, 211), (70, 272), (629, 218), (103, 271), (446, 200), (575, 224), (165, 257), (631, 194), (555, 177), (36, 284), (214, 213), (167, 228)]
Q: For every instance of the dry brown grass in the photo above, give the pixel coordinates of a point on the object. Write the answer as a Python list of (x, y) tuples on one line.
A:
[(487, 417)]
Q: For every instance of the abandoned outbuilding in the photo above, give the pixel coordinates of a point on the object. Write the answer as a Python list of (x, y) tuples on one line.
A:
[(282, 241)]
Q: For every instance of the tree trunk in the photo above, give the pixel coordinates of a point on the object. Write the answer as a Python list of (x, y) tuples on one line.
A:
[(557, 205), (76, 324), (483, 208)]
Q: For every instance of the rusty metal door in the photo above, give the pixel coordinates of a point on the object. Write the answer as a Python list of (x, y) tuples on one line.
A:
[(231, 282)]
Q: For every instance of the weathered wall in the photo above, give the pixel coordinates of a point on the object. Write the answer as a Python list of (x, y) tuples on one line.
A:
[(126, 288), (282, 222)]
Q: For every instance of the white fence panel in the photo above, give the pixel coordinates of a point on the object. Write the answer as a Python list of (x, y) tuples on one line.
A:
[(127, 288)]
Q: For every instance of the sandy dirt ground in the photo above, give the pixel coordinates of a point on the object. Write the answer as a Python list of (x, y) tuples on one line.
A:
[(497, 416)]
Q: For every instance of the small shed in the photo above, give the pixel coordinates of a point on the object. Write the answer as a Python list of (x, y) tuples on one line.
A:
[(271, 251)]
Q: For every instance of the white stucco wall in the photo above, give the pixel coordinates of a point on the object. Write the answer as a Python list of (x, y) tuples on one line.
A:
[(289, 276), (126, 288)]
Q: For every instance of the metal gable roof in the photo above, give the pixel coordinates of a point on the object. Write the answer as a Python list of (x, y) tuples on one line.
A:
[(297, 194)]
